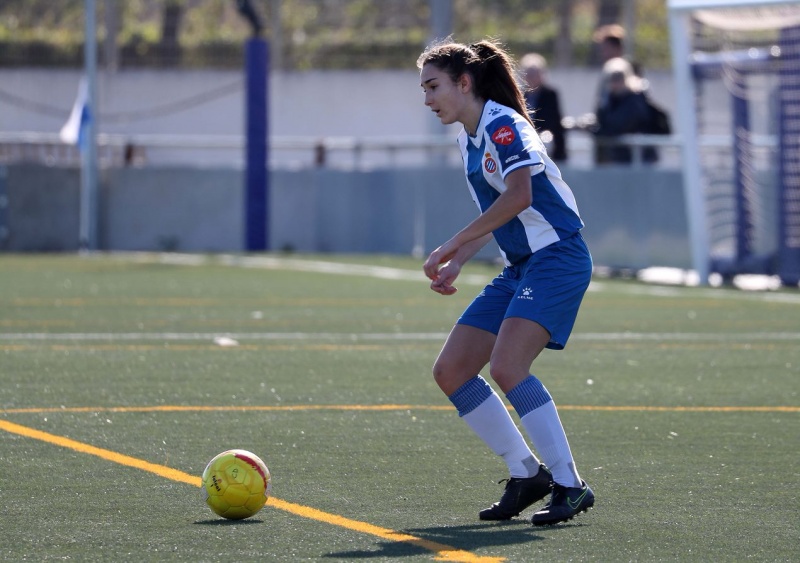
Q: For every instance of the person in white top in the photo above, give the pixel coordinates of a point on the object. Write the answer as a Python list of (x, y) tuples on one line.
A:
[(533, 303)]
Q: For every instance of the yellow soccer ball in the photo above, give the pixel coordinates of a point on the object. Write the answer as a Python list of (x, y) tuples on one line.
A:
[(236, 484)]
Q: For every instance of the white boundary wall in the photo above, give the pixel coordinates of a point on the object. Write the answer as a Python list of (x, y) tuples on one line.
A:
[(316, 103)]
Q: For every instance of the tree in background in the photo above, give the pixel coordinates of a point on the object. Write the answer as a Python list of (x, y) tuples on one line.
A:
[(324, 34), (170, 28)]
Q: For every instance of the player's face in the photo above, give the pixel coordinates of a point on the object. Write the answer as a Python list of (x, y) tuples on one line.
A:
[(447, 99)]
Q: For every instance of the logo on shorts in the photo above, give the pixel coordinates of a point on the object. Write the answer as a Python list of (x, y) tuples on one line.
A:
[(489, 164), (526, 294), (504, 135)]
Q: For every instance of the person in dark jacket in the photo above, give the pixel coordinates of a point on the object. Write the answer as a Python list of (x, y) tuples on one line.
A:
[(624, 110), (543, 105)]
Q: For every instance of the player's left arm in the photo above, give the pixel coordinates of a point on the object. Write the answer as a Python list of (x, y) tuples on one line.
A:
[(514, 200)]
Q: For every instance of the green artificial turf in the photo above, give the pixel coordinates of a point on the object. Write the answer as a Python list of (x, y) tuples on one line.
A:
[(681, 406)]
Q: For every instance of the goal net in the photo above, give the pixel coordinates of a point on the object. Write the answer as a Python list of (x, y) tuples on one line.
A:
[(744, 62)]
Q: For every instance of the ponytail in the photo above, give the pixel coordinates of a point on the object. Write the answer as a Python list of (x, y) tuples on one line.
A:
[(492, 70), (497, 80)]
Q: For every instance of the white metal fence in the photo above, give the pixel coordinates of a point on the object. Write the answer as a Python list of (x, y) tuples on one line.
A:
[(352, 153)]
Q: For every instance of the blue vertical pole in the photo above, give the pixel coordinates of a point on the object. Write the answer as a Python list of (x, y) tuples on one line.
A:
[(743, 176), (256, 173), (789, 158)]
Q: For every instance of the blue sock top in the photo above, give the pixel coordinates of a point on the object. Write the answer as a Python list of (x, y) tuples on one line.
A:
[(529, 395), (470, 395)]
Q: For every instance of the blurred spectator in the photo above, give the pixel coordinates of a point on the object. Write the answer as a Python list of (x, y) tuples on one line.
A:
[(623, 110), (623, 105), (543, 105), (610, 40)]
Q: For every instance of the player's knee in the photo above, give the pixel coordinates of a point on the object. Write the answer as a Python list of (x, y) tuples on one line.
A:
[(449, 374), (503, 373), (442, 372)]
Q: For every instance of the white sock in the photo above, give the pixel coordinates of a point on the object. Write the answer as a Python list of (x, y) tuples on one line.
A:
[(547, 434), (493, 424)]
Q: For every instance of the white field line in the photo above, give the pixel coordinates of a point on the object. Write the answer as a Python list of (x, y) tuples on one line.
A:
[(384, 272), (296, 265), (372, 337)]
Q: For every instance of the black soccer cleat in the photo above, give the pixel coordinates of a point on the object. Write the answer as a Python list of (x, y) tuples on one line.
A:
[(564, 504), (520, 493)]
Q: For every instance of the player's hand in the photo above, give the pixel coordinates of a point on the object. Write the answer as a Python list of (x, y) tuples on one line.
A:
[(442, 288), (438, 257), (447, 274)]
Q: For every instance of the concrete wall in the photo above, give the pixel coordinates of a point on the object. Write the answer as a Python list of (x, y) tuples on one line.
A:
[(314, 103), (42, 209), (634, 218), (171, 209)]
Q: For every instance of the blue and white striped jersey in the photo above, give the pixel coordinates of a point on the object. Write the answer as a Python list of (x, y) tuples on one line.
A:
[(506, 141)]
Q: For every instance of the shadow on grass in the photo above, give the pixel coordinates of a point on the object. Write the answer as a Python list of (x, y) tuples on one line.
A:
[(225, 522), (467, 537)]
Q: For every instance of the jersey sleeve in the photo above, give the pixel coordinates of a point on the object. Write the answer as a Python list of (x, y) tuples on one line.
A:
[(515, 144)]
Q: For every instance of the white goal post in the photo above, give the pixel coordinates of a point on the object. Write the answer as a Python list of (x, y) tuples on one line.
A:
[(682, 15)]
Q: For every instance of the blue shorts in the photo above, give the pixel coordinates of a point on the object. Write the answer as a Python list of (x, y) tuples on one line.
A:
[(547, 288)]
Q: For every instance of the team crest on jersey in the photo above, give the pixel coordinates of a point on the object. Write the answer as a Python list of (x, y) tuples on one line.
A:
[(504, 135), (489, 164)]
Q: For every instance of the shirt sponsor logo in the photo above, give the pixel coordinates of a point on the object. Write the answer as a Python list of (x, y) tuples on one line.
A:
[(512, 158), (490, 165), (504, 135)]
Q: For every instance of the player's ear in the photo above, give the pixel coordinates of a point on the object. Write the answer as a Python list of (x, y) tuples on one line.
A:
[(464, 83)]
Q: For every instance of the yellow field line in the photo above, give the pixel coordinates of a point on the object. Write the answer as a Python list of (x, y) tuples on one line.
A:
[(677, 409), (443, 552), (163, 471), (383, 408)]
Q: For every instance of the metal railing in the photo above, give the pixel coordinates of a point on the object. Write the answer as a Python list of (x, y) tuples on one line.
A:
[(117, 150), (121, 150)]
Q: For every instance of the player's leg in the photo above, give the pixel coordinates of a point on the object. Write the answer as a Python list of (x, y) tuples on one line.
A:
[(466, 352), (541, 315), (519, 342), (457, 372)]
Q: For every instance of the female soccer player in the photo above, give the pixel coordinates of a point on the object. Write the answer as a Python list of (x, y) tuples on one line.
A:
[(534, 301)]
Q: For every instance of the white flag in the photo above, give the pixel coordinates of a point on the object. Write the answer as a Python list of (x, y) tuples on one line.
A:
[(73, 131)]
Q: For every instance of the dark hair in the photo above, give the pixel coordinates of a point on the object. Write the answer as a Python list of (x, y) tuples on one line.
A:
[(613, 34), (492, 70)]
